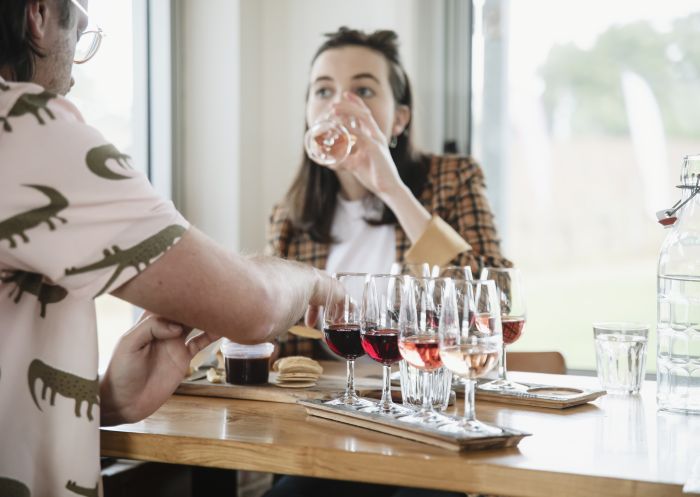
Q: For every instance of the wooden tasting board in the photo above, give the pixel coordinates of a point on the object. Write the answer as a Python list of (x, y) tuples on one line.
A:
[(426, 434), (549, 396), (326, 388)]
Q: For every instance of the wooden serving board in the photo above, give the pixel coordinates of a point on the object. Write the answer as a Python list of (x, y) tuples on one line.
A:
[(326, 388), (536, 395), (389, 424)]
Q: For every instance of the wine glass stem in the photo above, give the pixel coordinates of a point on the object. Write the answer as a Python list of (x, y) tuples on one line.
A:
[(469, 411), (427, 405), (350, 385), (385, 403), (502, 373)]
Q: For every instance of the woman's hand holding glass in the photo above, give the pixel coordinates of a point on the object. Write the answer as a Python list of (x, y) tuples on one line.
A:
[(349, 139)]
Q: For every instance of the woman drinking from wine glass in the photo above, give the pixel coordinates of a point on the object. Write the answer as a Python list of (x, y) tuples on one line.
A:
[(369, 199), (385, 202)]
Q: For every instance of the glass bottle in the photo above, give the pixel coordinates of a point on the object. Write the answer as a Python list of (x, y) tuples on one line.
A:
[(678, 302)]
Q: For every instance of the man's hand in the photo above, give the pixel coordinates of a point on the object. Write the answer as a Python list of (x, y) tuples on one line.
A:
[(148, 364)]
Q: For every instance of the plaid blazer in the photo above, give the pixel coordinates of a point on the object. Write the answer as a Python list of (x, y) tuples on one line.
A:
[(455, 190)]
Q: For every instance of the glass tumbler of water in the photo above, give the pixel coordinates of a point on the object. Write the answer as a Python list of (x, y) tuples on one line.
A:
[(620, 355)]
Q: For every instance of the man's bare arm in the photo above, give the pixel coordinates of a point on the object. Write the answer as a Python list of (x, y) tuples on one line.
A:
[(248, 299)]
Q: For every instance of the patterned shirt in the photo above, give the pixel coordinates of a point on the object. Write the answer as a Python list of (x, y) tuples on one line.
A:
[(76, 221), (455, 191)]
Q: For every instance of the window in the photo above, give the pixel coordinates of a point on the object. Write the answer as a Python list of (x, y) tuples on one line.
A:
[(582, 115), (110, 92)]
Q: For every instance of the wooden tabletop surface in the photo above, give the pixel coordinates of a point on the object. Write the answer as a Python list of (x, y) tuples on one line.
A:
[(615, 446)]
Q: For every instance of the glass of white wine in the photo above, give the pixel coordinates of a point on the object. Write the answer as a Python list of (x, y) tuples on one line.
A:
[(471, 339)]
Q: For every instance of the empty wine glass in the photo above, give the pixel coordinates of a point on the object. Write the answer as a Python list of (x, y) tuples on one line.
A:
[(454, 272), (329, 141), (341, 328), (380, 331), (512, 300), (415, 269), (470, 344), (418, 337)]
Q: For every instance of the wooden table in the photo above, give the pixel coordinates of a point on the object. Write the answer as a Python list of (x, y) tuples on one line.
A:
[(616, 446)]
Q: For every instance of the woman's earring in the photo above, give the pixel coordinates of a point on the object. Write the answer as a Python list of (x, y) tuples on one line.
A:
[(394, 141)]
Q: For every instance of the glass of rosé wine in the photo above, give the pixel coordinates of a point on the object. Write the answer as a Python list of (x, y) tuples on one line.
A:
[(381, 307), (512, 300), (329, 140), (341, 329), (418, 336), (470, 342)]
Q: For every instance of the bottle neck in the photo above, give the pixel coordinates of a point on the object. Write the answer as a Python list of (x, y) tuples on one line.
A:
[(689, 214)]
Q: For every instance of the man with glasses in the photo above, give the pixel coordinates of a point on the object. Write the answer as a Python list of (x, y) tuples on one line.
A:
[(77, 221)]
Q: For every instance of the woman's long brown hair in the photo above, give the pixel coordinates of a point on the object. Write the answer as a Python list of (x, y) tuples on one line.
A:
[(311, 199)]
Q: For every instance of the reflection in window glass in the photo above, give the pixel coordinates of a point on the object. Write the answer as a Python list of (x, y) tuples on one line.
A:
[(599, 107), (105, 93)]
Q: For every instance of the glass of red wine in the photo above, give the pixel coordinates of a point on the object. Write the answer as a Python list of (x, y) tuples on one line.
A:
[(418, 336), (470, 342), (380, 330), (342, 321), (511, 297)]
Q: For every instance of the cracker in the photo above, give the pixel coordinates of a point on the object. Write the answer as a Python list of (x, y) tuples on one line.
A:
[(215, 375), (295, 384), (302, 374), (297, 364)]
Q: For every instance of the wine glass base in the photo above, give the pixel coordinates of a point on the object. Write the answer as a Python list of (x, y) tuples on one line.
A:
[(392, 409), (502, 386), (351, 401), (470, 427), (423, 417)]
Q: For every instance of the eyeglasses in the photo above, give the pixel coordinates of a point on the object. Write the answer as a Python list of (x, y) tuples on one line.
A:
[(89, 41)]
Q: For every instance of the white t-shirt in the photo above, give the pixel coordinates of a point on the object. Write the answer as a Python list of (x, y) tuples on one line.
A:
[(75, 221), (360, 247)]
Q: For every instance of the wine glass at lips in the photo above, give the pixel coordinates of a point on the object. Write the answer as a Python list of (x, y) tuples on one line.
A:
[(418, 337), (470, 342), (341, 329), (380, 331), (511, 297), (329, 141)]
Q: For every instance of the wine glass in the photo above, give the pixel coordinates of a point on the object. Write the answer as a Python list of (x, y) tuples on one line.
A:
[(329, 141), (380, 330), (341, 329), (454, 272), (457, 273), (415, 269), (510, 294), (418, 336), (471, 344)]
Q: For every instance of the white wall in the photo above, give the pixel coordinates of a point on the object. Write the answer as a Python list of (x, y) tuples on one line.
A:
[(208, 144), (243, 126)]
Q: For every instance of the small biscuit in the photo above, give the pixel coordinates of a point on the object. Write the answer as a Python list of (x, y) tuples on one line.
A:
[(302, 374), (215, 375), (305, 379), (297, 364), (295, 384)]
